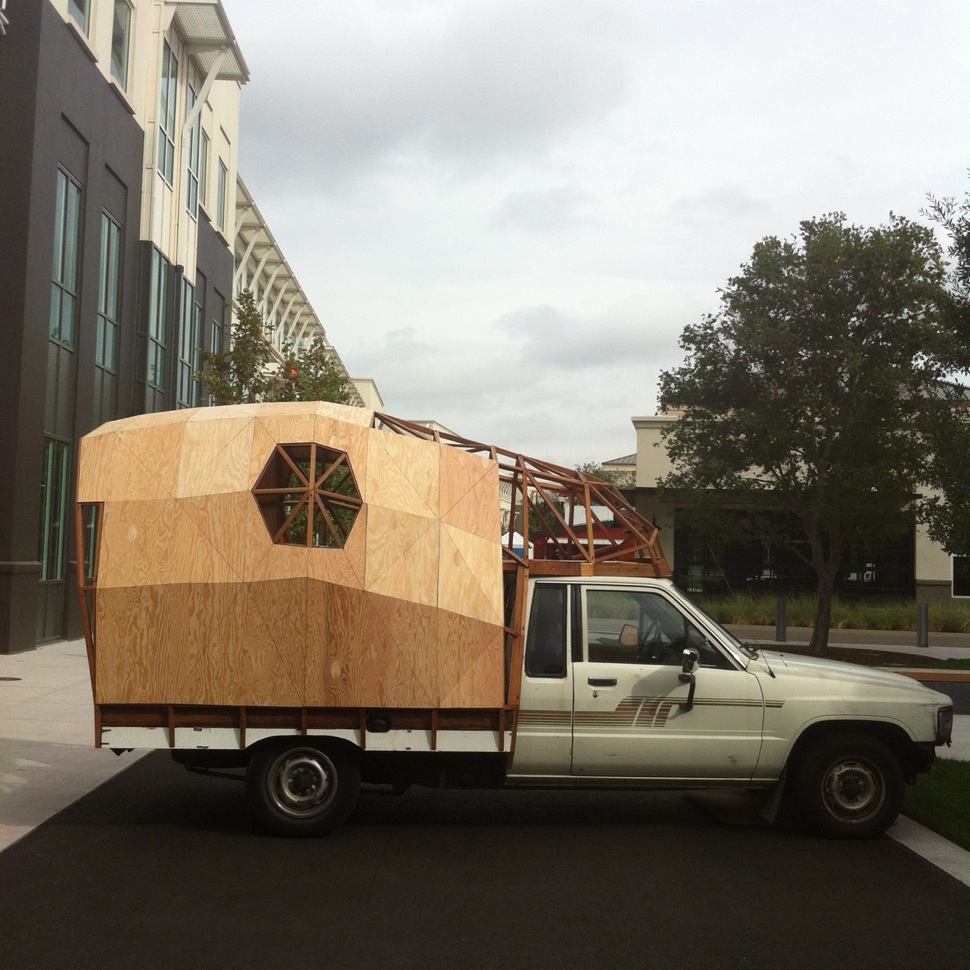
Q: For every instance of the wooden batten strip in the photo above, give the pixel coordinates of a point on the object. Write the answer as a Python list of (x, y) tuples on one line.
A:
[(434, 729), (97, 725), (171, 726), (363, 729), (303, 721), (242, 727)]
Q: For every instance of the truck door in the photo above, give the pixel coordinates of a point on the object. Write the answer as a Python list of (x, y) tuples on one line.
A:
[(629, 720), (543, 738)]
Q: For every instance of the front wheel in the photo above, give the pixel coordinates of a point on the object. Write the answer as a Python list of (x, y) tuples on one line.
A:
[(849, 786), (302, 789)]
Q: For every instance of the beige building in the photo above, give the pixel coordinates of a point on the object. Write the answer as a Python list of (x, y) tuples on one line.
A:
[(910, 565)]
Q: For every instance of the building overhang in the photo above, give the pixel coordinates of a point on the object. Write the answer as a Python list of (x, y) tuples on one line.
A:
[(208, 37)]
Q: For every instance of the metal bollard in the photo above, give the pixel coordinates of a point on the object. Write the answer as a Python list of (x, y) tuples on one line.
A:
[(923, 625), (781, 619)]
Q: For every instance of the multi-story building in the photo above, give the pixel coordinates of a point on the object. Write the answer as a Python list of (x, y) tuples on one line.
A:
[(118, 232)]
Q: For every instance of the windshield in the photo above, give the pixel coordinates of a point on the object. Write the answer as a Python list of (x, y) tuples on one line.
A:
[(742, 647)]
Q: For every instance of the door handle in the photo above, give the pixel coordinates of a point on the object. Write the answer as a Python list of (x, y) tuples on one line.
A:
[(601, 681)]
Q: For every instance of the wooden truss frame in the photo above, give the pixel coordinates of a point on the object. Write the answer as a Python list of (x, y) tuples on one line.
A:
[(577, 532)]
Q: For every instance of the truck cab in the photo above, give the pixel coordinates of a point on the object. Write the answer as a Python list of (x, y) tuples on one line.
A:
[(625, 682)]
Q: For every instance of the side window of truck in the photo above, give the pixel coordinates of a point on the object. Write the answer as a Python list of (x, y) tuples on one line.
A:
[(545, 645), (635, 627)]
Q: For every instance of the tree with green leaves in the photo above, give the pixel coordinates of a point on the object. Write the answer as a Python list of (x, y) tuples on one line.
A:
[(251, 371), (818, 387)]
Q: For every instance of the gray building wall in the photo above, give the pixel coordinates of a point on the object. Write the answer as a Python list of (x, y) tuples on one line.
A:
[(57, 111)]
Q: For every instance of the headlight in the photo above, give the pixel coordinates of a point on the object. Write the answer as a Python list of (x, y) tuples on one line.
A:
[(944, 725)]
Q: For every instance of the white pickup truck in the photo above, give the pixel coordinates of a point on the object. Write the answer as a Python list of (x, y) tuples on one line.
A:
[(627, 683), (323, 596)]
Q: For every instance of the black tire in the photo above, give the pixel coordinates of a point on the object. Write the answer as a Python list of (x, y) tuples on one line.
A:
[(849, 786), (302, 788)]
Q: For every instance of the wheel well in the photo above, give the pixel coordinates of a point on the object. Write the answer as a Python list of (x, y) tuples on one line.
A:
[(891, 735), (323, 742)]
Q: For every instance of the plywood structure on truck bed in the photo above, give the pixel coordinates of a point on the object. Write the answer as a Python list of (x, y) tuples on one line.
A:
[(194, 603)]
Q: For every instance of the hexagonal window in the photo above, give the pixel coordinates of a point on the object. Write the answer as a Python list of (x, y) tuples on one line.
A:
[(308, 496)]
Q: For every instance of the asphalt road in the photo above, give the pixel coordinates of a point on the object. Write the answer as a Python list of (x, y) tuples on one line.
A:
[(162, 868)]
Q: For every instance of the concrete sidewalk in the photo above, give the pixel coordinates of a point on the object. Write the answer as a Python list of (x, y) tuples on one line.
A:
[(48, 759)]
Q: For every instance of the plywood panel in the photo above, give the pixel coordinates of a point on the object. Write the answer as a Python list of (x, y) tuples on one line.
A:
[(402, 556), (281, 604), (333, 566), (156, 453), (136, 545), (188, 618), (363, 417), (471, 575), (263, 445), (334, 652), (150, 640), (477, 511), (241, 664), (482, 684), (215, 457), (111, 472), (349, 438), (97, 481), (123, 526), (127, 638), (234, 527), (277, 562), (191, 556), (460, 473), (401, 475), (294, 428), (413, 630)]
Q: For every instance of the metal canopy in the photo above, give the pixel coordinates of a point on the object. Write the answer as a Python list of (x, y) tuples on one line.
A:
[(207, 33)]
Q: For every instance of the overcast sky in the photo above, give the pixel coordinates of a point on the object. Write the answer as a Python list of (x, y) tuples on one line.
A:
[(506, 211)]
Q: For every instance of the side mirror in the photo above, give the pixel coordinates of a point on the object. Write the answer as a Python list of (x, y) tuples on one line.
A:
[(689, 667)]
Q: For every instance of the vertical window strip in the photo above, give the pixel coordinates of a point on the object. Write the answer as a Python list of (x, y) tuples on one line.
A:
[(203, 168), (188, 394), (53, 509), (222, 186), (157, 316), (192, 172), (67, 250), (166, 115), (121, 42), (109, 321)]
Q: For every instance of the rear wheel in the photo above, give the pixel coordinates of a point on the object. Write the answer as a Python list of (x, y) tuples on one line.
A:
[(849, 786), (302, 789)]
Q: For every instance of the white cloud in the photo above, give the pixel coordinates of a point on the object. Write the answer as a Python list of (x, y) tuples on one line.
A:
[(506, 211)]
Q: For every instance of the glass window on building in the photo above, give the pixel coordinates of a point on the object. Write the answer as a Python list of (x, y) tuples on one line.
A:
[(53, 508), (222, 198), (121, 42), (158, 314), (109, 318), (204, 169), (80, 11), (166, 115), (67, 255), (190, 339), (194, 151)]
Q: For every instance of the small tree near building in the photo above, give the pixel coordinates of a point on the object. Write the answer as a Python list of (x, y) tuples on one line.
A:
[(819, 386), (250, 371)]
